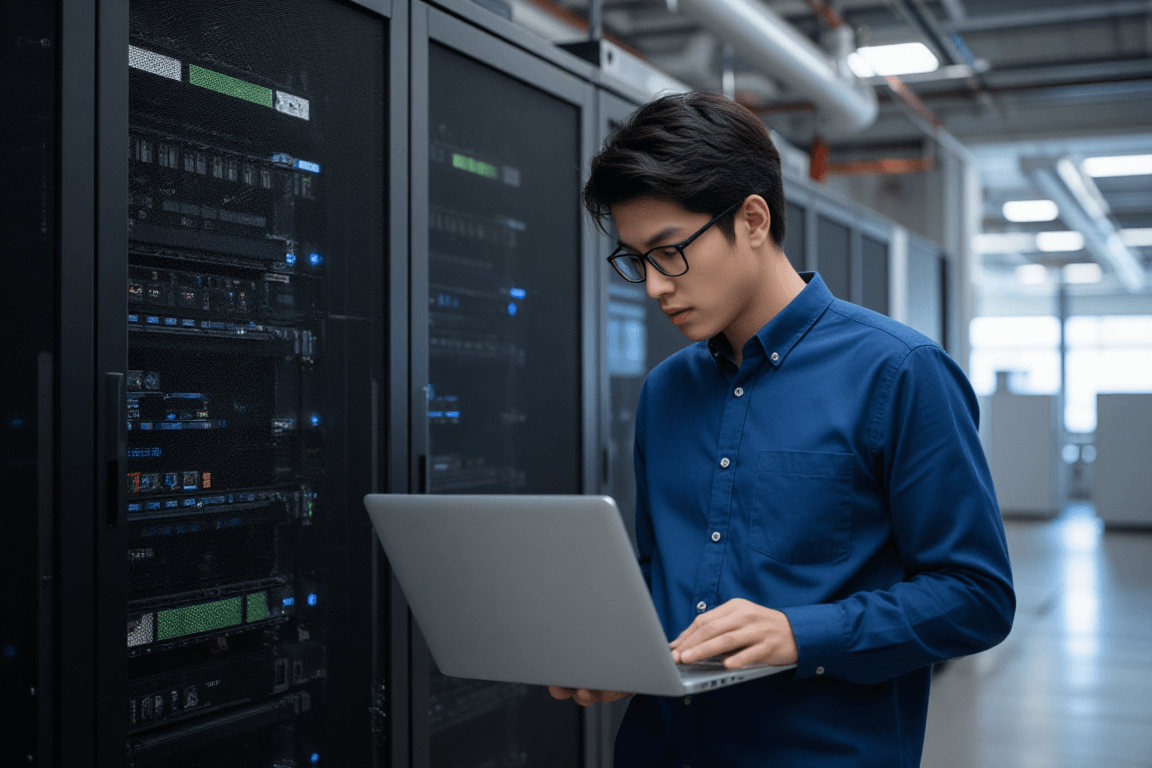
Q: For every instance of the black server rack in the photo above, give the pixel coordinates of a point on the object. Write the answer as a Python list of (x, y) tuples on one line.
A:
[(256, 253), (28, 78), (194, 403), (498, 264)]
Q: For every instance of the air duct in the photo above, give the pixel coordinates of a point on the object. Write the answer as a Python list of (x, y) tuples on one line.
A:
[(766, 41)]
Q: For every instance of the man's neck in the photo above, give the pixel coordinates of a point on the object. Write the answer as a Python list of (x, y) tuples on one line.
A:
[(779, 285)]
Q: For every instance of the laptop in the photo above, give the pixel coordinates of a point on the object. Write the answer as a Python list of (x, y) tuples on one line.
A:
[(543, 590)]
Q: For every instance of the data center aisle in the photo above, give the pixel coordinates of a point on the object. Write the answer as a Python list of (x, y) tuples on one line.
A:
[(1070, 686)]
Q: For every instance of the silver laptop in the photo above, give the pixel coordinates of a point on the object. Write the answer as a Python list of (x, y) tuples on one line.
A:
[(543, 590)]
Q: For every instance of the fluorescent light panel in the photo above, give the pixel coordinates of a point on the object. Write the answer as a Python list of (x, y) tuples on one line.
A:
[(1005, 242), (1119, 165), (1032, 274), (1030, 210), (1136, 238), (886, 60), (1083, 274), (1059, 242)]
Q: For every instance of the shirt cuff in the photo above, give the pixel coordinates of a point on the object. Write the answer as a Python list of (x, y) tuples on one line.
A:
[(819, 639)]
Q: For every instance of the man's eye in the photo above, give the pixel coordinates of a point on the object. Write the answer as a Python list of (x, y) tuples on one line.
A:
[(666, 253)]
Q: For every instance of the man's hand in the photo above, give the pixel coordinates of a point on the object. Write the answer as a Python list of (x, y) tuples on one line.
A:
[(750, 632), (584, 697)]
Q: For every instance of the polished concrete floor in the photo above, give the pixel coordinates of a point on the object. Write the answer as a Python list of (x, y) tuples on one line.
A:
[(1071, 687)]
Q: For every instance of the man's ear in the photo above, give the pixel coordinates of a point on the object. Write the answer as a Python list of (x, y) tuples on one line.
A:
[(758, 220)]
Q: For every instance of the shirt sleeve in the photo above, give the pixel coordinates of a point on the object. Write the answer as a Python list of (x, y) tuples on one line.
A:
[(957, 596)]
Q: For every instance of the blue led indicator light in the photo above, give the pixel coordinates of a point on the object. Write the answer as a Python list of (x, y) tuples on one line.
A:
[(306, 165), (153, 320), (315, 758), (517, 293), (316, 420), (316, 259), (16, 422), (133, 318), (312, 599), (289, 258), (10, 652), (453, 414), (435, 414), (512, 309), (288, 601)]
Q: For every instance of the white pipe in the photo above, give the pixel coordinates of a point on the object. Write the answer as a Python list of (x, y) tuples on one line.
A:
[(764, 39)]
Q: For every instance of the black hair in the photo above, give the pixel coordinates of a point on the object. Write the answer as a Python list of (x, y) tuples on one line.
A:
[(699, 150)]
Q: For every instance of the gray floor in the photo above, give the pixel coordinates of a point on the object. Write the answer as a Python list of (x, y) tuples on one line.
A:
[(1071, 687)]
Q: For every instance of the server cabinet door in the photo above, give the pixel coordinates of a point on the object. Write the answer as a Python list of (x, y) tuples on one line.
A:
[(29, 78), (257, 201), (499, 142), (875, 267)]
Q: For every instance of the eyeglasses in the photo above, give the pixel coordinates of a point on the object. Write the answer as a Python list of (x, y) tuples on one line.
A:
[(668, 259)]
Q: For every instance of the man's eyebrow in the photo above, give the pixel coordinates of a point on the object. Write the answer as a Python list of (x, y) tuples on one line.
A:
[(662, 234)]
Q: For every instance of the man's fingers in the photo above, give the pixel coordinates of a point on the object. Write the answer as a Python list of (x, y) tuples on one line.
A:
[(718, 627), (560, 693), (717, 646)]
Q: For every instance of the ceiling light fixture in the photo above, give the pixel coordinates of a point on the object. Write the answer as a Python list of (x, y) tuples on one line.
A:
[(1083, 274), (1136, 238), (1030, 210), (1032, 274), (1059, 242), (888, 60), (1119, 165), (1005, 242)]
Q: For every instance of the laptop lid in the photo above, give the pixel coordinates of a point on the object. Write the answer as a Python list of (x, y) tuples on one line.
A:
[(544, 590)]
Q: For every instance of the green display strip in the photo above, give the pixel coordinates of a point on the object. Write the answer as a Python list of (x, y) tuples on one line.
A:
[(194, 619), (257, 609), (472, 165), (215, 81)]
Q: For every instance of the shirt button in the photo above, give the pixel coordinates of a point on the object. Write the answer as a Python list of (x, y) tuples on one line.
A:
[(819, 670), (775, 357), (715, 535), (687, 700), (701, 606), (739, 391), (724, 462)]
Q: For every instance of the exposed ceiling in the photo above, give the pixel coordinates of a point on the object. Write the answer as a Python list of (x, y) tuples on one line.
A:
[(1018, 79)]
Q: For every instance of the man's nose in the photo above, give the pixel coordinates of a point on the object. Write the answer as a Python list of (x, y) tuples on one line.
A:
[(657, 283)]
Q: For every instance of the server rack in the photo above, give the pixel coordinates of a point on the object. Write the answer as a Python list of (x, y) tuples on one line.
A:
[(204, 279), (503, 333)]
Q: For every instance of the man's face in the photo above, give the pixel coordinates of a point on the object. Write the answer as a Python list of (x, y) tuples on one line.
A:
[(721, 278)]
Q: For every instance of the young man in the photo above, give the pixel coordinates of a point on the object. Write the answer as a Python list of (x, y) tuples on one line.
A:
[(810, 485)]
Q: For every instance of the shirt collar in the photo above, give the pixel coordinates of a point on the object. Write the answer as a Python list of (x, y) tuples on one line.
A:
[(780, 334)]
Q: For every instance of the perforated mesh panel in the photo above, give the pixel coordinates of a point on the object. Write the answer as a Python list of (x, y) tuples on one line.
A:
[(256, 202), (504, 352)]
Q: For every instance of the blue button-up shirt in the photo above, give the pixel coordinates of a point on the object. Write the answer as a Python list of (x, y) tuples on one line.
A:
[(835, 475)]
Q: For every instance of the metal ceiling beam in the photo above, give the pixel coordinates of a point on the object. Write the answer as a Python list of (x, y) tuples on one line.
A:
[(1056, 15), (1084, 209)]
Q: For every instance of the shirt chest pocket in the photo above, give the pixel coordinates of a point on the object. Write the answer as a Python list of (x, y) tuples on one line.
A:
[(802, 506)]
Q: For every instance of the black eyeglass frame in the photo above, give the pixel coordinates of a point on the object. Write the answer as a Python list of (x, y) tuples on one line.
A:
[(680, 246)]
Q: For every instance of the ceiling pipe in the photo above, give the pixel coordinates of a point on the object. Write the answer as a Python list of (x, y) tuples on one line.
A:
[(765, 40)]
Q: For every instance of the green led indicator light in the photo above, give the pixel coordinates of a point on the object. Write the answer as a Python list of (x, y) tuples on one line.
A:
[(257, 606), (230, 86), (472, 165), (195, 619)]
